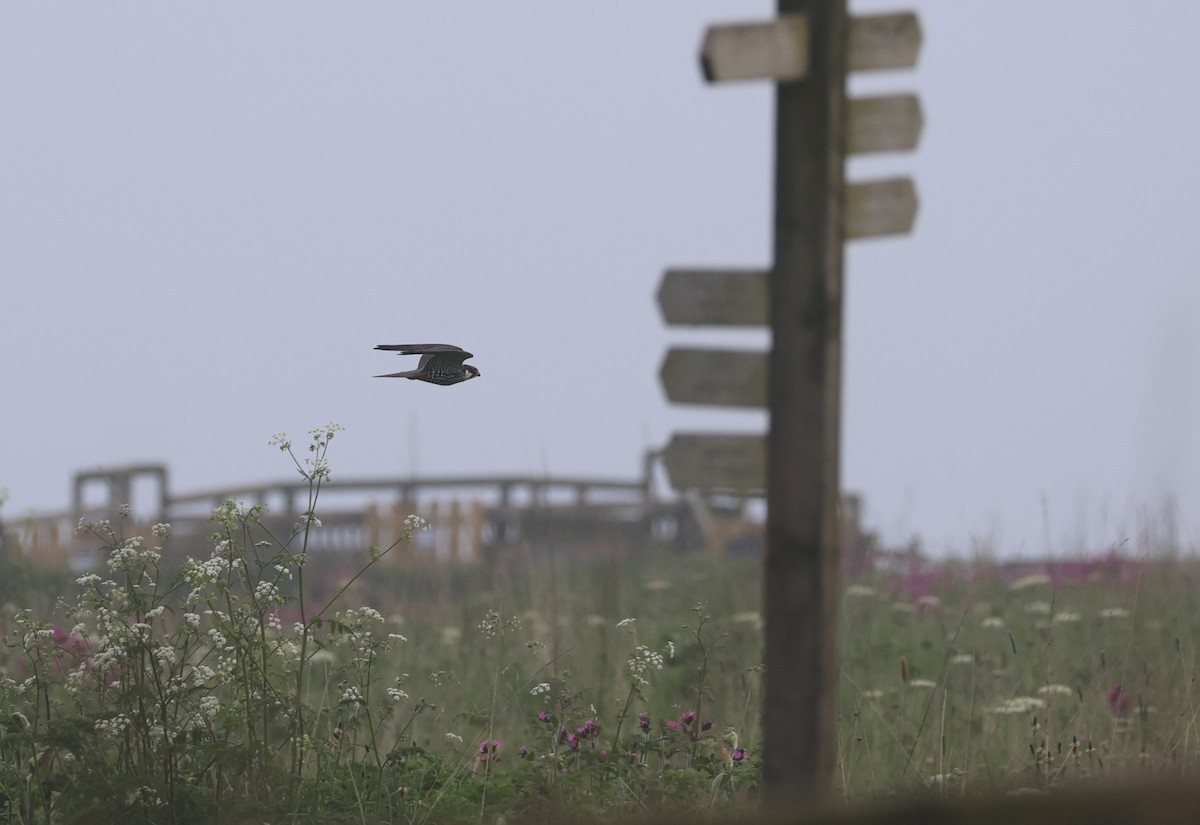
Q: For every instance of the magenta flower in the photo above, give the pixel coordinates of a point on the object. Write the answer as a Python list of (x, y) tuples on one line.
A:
[(739, 755), (644, 721), (687, 717), (671, 724), (543, 716), (1118, 700), (489, 750)]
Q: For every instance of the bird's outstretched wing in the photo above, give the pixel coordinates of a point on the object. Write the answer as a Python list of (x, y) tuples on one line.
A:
[(424, 349)]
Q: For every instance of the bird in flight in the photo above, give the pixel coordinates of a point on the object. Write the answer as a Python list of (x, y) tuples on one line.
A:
[(439, 364)]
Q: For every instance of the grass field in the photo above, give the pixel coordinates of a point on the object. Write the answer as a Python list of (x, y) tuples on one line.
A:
[(601, 688), (993, 682)]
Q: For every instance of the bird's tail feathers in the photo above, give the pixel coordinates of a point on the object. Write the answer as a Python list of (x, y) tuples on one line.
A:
[(405, 374)]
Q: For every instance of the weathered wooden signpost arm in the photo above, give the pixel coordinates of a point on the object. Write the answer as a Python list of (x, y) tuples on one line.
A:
[(804, 392)]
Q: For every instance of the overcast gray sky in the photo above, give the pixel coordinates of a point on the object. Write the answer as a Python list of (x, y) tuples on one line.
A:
[(210, 212)]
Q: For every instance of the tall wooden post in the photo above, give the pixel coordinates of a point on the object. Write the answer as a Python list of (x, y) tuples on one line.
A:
[(806, 51), (804, 391)]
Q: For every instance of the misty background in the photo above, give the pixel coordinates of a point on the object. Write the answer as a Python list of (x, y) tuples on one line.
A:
[(211, 212)]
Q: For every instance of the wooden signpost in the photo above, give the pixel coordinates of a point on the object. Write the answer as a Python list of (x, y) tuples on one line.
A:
[(754, 51), (721, 377), (722, 297), (807, 51), (884, 124), (878, 41), (717, 462), (880, 207), (779, 49)]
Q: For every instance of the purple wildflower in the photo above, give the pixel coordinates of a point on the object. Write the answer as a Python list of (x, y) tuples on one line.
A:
[(523, 752), (739, 754), (687, 717), (671, 724), (644, 721), (573, 741), (543, 716), (1118, 700)]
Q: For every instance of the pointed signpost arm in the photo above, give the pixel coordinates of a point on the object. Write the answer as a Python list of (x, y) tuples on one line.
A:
[(801, 589)]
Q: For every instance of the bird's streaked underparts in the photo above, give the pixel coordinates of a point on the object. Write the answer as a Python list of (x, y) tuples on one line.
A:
[(439, 364)]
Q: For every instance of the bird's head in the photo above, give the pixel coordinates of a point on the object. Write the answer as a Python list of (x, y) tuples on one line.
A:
[(472, 372)]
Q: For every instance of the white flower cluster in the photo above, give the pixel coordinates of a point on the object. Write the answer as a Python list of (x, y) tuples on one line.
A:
[(361, 634), (266, 592), (493, 625), (131, 555), (642, 661), (201, 676), (203, 573), (115, 726), (209, 705), (110, 656), (147, 796), (32, 637), (490, 625)]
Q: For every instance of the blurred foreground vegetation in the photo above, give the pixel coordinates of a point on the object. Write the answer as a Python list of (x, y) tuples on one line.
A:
[(261, 682)]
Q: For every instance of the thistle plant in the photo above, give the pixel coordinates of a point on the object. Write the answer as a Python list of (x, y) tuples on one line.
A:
[(671, 765)]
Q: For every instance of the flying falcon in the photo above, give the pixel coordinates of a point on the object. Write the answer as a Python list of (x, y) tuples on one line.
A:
[(439, 364)]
